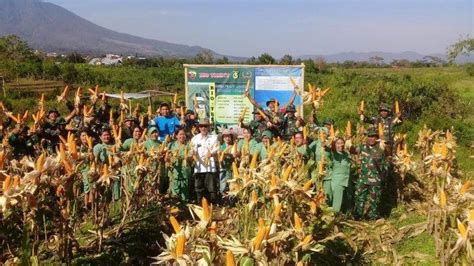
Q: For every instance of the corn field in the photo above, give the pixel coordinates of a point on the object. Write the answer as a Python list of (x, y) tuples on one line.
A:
[(274, 214)]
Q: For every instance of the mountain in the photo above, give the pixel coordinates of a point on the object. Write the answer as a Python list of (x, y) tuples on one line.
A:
[(387, 57), (51, 28)]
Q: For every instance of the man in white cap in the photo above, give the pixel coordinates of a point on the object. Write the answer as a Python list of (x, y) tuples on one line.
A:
[(205, 147)]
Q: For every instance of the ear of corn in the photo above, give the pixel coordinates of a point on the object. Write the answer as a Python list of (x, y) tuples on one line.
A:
[(16, 181), (235, 170), (254, 197), (361, 107), (397, 107), (40, 162), (297, 222), (465, 187), (6, 183), (462, 229), (307, 185), (442, 198), (349, 129), (175, 224), (229, 259), (287, 172), (381, 131), (253, 162), (205, 209), (180, 242)]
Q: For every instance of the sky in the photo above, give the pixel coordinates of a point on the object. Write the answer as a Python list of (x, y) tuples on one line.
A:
[(295, 27)]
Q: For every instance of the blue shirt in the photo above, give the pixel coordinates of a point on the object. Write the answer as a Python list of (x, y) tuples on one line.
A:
[(166, 125)]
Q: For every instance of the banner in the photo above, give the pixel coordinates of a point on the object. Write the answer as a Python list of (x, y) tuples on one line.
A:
[(217, 92)]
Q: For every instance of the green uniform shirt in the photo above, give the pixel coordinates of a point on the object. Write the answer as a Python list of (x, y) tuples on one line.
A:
[(339, 167)]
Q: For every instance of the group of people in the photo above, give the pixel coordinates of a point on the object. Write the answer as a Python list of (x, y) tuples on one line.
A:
[(203, 158)]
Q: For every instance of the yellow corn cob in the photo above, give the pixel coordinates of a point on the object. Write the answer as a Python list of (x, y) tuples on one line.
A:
[(397, 107), (105, 171), (180, 242), (332, 132), (465, 187), (229, 258), (381, 130), (206, 213), (261, 223), (247, 85), (175, 98), (462, 229), (298, 223), (90, 143), (175, 224), (287, 172), (444, 151), (6, 183), (307, 240), (149, 112), (361, 107), (405, 150), (40, 162), (313, 206), (16, 181), (283, 150), (277, 211), (322, 136), (262, 114), (259, 238), (442, 198), (349, 129), (274, 181), (2, 159), (235, 170), (307, 185), (253, 162), (253, 196), (73, 149), (67, 166)]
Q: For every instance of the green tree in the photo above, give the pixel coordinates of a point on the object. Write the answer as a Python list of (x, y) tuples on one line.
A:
[(204, 57), (266, 59), (463, 46), (75, 58), (286, 60)]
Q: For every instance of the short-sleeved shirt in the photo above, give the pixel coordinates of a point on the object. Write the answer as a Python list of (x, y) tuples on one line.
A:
[(166, 125), (202, 145)]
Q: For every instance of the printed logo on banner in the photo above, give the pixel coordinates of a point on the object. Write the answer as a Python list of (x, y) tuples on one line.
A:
[(235, 74), (192, 74), (247, 75)]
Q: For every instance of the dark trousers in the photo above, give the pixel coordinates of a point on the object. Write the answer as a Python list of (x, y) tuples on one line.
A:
[(205, 185)]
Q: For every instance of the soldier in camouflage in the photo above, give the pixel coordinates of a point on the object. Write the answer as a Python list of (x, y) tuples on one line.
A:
[(258, 125), (386, 120), (372, 172), (291, 124)]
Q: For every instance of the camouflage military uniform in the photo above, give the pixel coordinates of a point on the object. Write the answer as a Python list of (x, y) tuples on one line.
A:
[(258, 127), (387, 123), (368, 187), (289, 127)]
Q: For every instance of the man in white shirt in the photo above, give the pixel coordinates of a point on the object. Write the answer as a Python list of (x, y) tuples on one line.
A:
[(205, 147)]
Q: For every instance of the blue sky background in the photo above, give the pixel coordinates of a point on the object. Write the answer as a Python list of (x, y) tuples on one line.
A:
[(296, 27)]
